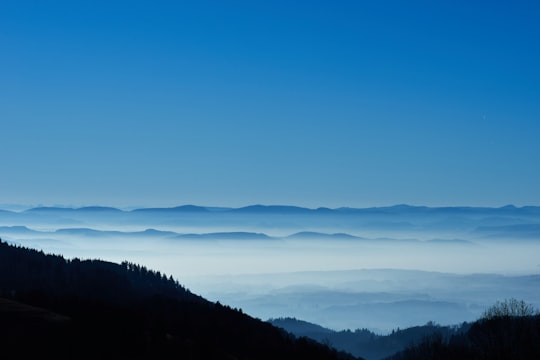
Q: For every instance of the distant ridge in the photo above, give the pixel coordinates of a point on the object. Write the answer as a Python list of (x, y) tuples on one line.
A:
[(233, 235), (49, 209), (226, 236), (16, 230), (318, 235), (154, 232), (181, 208), (523, 230), (291, 209), (450, 242), (99, 208), (86, 232), (70, 209), (272, 209)]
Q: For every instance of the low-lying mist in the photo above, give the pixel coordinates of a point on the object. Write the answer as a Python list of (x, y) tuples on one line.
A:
[(378, 269)]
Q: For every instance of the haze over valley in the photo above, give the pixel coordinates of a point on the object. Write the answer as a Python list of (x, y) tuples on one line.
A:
[(346, 268)]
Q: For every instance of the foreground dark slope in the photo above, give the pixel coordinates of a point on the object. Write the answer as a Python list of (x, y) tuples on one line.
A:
[(504, 337), (498, 338), (365, 343), (94, 309)]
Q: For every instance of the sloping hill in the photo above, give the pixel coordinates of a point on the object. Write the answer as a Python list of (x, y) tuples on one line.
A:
[(363, 342), (501, 337), (119, 311)]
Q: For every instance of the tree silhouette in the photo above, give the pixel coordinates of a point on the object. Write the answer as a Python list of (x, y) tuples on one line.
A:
[(509, 307), (508, 330)]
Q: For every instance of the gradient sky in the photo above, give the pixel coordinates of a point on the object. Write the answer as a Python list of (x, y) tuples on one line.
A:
[(230, 103)]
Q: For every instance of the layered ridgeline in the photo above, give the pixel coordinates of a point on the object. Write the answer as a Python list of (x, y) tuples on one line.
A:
[(92, 309), (509, 329), (482, 222), (375, 268)]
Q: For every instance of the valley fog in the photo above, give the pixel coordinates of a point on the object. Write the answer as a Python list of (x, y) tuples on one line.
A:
[(378, 268)]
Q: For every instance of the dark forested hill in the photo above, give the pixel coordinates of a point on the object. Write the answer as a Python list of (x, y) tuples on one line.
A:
[(365, 343), (501, 337), (65, 309), (509, 329), (510, 334)]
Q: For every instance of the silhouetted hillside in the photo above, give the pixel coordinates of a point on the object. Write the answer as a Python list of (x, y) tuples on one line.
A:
[(363, 342), (496, 337), (504, 338), (66, 309)]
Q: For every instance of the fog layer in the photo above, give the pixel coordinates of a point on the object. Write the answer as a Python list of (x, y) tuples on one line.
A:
[(377, 268)]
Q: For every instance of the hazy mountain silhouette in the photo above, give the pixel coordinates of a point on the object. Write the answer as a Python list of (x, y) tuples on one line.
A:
[(23, 230), (153, 233), (17, 230), (527, 231), (273, 209), (449, 242), (233, 235), (98, 209), (86, 232), (318, 235), (226, 236), (398, 218), (177, 209), (49, 209), (287, 209)]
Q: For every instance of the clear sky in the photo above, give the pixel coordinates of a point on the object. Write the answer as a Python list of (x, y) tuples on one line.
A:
[(230, 103)]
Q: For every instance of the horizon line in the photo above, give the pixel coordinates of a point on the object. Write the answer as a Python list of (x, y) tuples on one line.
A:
[(21, 207)]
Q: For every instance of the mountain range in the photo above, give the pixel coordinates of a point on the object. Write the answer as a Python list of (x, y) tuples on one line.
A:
[(203, 244), (288, 209)]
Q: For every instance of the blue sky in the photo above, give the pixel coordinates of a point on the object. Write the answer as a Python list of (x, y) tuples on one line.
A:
[(311, 103)]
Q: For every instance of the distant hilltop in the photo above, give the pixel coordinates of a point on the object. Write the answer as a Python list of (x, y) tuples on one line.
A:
[(285, 209)]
